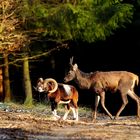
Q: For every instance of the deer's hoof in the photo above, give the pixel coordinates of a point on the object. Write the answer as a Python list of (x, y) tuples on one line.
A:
[(94, 120), (75, 119), (116, 118)]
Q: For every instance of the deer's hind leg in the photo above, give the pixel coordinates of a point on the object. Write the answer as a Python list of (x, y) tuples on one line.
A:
[(132, 94), (125, 102)]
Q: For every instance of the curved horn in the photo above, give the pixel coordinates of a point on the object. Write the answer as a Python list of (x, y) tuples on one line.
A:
[(46, 81)]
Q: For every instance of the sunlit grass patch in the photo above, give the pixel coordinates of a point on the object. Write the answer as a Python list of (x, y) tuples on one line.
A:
[(44, 110)]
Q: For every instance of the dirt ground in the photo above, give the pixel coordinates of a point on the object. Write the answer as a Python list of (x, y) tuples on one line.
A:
[(27, 125)]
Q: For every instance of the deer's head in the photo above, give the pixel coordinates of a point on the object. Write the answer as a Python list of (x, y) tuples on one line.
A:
[(71, 74)]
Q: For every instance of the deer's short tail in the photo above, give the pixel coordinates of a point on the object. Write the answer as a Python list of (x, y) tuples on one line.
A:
[(137, 80)]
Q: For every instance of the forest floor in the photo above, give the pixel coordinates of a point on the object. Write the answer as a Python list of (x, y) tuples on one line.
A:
[(19, 123)]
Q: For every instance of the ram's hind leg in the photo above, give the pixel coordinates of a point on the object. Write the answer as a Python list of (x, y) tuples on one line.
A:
[(75, 113), (74, 106), (66, 112)]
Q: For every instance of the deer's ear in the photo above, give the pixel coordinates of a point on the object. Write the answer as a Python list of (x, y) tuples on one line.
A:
[(75, 67), (71, 61)]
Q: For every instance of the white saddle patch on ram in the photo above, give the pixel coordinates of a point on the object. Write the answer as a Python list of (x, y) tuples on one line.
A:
[(67, 89)]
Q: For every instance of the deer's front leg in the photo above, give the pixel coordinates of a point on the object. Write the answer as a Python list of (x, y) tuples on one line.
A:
[(97, 99), (102, 95)]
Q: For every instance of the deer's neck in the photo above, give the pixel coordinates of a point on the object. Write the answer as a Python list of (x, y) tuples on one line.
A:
[(83, 79)]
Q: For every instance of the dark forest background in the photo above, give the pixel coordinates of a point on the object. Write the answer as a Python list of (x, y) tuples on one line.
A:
[(119, 51)]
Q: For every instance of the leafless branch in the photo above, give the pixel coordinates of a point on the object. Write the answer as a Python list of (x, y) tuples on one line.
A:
[(38, 55)]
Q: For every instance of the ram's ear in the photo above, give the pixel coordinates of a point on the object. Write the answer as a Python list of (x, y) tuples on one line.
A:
[(75, 67)]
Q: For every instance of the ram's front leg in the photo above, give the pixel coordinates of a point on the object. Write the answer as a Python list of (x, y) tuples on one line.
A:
[(54, 110)]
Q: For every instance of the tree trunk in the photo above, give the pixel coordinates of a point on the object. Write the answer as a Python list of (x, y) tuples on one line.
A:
[(6, 80), (1, 84), (27, 82)]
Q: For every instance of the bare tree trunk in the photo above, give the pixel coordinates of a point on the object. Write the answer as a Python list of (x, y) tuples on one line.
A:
[(6, 80), (27, 82)]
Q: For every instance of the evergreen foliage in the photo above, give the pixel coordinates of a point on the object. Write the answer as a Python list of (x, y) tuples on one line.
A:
[(88, 20)]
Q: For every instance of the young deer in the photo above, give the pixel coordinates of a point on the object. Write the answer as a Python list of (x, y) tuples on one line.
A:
[(100, 82)]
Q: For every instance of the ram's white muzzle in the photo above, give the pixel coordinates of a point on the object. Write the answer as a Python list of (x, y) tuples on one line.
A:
[(40, 89)]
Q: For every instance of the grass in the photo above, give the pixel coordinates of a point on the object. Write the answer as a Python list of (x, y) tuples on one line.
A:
[(40, 107), (44, 110)]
